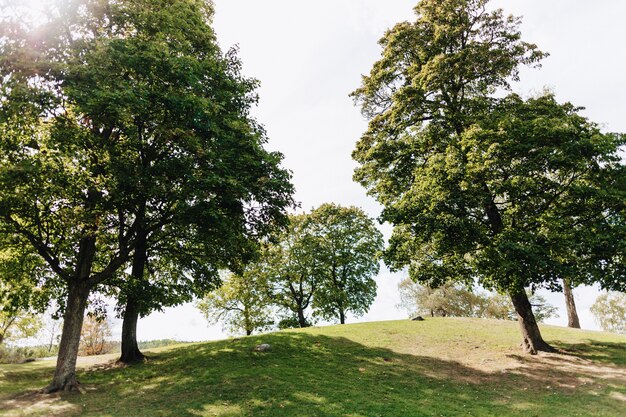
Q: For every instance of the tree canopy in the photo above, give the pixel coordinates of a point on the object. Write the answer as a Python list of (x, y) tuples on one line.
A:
[(609, 310), (126, 136), (241, 304), (478, 186), (348, 251)]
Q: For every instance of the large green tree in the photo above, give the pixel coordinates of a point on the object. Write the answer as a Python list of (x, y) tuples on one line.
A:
[(348, 251), (125, 131), (291, 265), (478, 187), (167, 80)]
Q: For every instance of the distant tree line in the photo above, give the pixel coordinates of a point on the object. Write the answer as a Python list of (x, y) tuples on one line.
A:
[(455, 300)]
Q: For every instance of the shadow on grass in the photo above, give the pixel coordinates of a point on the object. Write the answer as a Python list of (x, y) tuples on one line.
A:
[(604, 352), (307, 375)]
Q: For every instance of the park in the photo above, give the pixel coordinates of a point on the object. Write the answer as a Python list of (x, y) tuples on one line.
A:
[(137, 176)]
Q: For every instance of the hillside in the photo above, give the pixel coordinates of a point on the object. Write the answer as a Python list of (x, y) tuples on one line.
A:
[(440, 366)]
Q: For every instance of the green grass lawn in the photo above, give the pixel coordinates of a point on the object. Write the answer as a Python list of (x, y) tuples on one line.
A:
[(438, 367)]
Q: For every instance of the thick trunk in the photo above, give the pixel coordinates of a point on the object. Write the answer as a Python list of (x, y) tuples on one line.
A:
[(301, 319), (1, 339), (572, 315), (342, 316), (532, 342), (248, 332), (130, 348), (65, 374)]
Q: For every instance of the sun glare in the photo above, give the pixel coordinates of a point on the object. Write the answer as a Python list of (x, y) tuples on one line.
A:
[(35, 11)]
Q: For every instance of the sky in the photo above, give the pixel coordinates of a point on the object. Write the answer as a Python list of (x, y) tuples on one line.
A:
[(309, 56)]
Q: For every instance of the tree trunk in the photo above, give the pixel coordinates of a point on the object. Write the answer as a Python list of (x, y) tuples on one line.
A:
[(130, 348), (342, 316), (65, 374), (572, 315), (532, 342), (301, 319), (248, 332)]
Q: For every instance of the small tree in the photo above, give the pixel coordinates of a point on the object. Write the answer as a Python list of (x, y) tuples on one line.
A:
[(348, 247), (241, 304), (16, 326), (449, 300), (50, 332), (93, 336), (609, 311)]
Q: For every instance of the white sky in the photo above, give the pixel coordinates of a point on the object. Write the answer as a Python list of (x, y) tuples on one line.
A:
[(309, 56)]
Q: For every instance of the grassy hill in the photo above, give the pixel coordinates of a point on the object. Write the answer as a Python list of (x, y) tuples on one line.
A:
[(438, 367)]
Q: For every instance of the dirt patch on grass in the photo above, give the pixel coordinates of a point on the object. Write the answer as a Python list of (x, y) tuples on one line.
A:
[(36, 403)]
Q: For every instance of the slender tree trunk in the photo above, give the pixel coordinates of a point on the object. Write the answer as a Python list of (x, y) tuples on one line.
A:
[(130, 348), (572, 315), (5, 328), (532, 342), (65, 373), (301, 319), (342, 316)]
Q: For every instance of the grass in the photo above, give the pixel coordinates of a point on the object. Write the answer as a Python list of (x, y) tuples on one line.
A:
[(438, 367)]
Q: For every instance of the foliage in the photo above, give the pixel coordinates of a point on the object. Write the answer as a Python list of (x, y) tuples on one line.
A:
[(609, 311), (513, 193), (20, 299), (348, 247), (94, 336), (293, 269), (391, 368), (126, 134), (454, 300), (323, 263), (499, 306), (448, 300), (16, 326), (241, 303)]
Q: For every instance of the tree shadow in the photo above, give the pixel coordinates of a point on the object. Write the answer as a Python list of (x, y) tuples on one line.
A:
[(309, 375), (604, 352)]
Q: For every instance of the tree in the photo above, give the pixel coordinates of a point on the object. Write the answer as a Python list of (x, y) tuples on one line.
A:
[(475, 186), (94, 334), (15, 326), (348, 250), (454, 300), (448, 300), (292, 266), (20, 299), (609, 311), (127, 135), (50, 332), (241, 303), (570, 305)]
